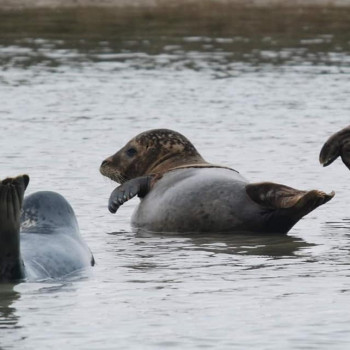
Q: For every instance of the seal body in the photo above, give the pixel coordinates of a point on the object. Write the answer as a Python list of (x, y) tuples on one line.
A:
[(198, 200), (51, 245), (209, 200)]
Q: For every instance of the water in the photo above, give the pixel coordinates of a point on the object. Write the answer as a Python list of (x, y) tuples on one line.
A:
[(256, 90)]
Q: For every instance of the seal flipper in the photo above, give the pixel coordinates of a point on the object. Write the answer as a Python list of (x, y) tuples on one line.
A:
[(337, 145), (11, 199), (284, 205), (139, 186)]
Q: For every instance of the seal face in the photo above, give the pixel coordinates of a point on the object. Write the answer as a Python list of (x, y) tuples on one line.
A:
[(154, 151), (39, 234), (181, 192)]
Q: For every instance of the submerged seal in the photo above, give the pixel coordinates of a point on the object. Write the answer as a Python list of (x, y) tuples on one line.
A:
[(181, 192), (43, 240), (337, 145)]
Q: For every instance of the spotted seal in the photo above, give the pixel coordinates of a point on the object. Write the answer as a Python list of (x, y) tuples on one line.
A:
[(181, 192), (40, 241)]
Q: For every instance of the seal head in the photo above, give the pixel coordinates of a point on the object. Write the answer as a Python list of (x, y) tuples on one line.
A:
[(151, 152)]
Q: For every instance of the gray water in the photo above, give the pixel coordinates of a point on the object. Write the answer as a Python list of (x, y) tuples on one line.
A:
[(253, 95)]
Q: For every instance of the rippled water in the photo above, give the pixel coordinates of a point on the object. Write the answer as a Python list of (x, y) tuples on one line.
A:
[(258, 91)]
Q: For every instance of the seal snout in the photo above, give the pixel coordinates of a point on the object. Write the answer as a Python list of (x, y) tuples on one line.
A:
[(107, 169), (105, 163)]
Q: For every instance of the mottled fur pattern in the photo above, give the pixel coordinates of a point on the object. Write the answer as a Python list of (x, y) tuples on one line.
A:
[(155, 152), (167, 139)]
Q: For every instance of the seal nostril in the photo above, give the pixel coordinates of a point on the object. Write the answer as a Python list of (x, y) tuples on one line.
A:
[(104, 163)]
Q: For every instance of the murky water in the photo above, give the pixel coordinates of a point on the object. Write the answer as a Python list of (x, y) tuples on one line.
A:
[(259, 91)]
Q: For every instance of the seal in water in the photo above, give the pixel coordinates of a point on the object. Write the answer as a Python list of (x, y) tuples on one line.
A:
[(337, 145), (41, 242), (181, 192)]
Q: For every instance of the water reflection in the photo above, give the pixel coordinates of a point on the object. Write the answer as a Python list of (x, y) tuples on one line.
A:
[(273, 245), (344, 224), (8, 317)]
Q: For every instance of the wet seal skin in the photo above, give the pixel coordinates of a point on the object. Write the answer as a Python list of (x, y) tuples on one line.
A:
[(11, 199), (39, 234), (181, 192), (338, 145)]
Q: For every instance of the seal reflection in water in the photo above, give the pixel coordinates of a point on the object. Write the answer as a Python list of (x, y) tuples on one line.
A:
[(181, 192), (338, 145), (42, 241)]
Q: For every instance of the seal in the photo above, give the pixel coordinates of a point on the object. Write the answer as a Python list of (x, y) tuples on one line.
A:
[(337, 145), (181, 192), (42, 241)]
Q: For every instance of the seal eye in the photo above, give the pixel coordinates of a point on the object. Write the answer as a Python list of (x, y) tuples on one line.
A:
[(131, 152)]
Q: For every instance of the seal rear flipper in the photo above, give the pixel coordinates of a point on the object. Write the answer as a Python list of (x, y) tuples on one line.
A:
[(285, 205), (11, 199), (337, 145)]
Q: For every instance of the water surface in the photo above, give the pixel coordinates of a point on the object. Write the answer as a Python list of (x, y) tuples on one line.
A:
[(258, 90)]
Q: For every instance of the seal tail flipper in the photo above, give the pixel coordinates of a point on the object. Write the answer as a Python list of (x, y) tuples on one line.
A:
[(11, 198), (337, 145), (285, 205)]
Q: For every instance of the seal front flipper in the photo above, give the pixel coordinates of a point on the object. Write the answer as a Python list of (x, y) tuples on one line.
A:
[(284, 205), (11, 199), (337, 145), (139, 186)]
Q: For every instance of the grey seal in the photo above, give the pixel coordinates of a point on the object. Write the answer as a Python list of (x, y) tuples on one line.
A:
[(181, 192)]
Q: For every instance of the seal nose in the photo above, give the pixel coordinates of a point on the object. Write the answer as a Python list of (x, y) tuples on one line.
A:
[(104, 163)]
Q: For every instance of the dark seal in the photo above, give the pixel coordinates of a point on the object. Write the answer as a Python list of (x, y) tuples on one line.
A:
[(338, 145), (181, 192), (39, 235)]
